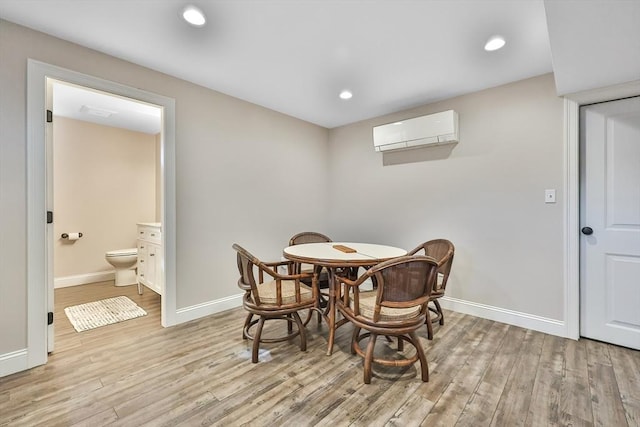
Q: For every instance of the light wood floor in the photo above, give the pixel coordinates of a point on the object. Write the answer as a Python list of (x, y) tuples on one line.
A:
[(199, 373)]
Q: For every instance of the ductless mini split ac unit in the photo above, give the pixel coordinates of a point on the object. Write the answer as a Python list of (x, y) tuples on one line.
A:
[(434, 129)]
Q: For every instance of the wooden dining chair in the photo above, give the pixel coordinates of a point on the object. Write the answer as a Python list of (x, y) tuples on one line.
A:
[(272, 296), (308, 237), (322, 274), (442, 251), (396, 308), (311, 237)]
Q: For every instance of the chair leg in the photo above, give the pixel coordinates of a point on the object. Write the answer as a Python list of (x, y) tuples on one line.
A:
[(368, 358), (247, 322), (290, 324), (308, 318), (301, 330), (440, 313), (318, 307), (423, 359), (429, 327), (256, 340), (354, 339)]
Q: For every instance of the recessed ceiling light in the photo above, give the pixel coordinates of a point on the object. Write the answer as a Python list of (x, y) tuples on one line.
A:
[(194, 16), (494, 43), (345, 94)]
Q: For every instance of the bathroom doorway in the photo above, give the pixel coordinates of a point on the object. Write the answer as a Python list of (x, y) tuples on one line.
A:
[(40, 229), (106, 174)]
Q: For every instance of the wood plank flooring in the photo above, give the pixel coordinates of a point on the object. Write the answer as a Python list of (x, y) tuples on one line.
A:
[(482, 373)]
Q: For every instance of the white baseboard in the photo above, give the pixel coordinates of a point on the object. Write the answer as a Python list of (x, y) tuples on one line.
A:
[(83, 279), (205, 309), (510, 317), (13, 362)]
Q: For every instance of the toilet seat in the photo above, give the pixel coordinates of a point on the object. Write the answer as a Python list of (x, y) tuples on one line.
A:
[(122, 252)]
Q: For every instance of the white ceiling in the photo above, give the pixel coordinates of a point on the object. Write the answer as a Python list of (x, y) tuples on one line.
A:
[(296, 56), (594, 43), (105, 109)]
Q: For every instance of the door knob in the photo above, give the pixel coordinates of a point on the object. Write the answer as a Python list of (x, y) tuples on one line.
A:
[(588, 231)]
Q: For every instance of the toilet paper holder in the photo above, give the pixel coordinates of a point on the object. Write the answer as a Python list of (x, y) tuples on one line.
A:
[(66, 235)]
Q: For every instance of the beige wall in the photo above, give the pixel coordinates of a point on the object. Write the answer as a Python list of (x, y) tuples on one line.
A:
[(104, 182), (238, 167), (486, 194)]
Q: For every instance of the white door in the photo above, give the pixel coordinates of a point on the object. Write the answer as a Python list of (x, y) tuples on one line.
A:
[(610, 221)]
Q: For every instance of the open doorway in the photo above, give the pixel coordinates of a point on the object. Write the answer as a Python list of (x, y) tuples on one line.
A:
[(39, 228), (104, 175)]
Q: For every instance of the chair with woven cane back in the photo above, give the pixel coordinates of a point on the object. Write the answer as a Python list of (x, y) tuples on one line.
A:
[(322, 274), (280, 296), (442, 251), (310, 237), (396, 308)]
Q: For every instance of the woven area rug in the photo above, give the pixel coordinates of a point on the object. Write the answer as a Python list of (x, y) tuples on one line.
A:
[(101, 313)]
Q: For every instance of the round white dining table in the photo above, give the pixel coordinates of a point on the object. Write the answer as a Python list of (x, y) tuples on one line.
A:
[(333, 255)]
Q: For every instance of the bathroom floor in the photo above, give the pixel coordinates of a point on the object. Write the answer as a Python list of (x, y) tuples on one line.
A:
[(66, 337)]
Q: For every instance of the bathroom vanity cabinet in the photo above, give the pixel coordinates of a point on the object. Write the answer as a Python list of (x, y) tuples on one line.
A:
[(150, 262)]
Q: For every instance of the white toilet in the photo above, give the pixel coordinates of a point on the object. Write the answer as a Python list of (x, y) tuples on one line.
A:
[(124, 261)]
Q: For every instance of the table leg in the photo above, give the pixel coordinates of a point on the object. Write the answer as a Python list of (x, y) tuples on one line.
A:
[(332, 310), (323, 314)]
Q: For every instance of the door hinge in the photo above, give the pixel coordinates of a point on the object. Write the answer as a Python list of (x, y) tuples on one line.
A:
[(49, 217), (49, 116), (50, 318)]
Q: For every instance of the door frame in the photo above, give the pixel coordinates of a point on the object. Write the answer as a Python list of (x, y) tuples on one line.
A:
[(37, 243), (572, 104)]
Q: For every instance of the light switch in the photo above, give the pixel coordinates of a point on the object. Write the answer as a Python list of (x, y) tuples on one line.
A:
[(550, 196)]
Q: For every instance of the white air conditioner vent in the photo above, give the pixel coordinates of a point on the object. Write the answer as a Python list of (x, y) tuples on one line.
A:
[(434, 129)]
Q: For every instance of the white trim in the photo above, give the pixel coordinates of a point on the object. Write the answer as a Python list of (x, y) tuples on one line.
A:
[(205, 309), (510, 317), (571, 219), (168, 219), (609, 93), (13, 362), (83, 279), (37, 74), (524, 320)]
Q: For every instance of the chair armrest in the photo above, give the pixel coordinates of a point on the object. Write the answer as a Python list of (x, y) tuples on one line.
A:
[(415, 251), (295, 276), (276, 264), (352, 290), (359, 281), (270, 268), (421, 248)]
